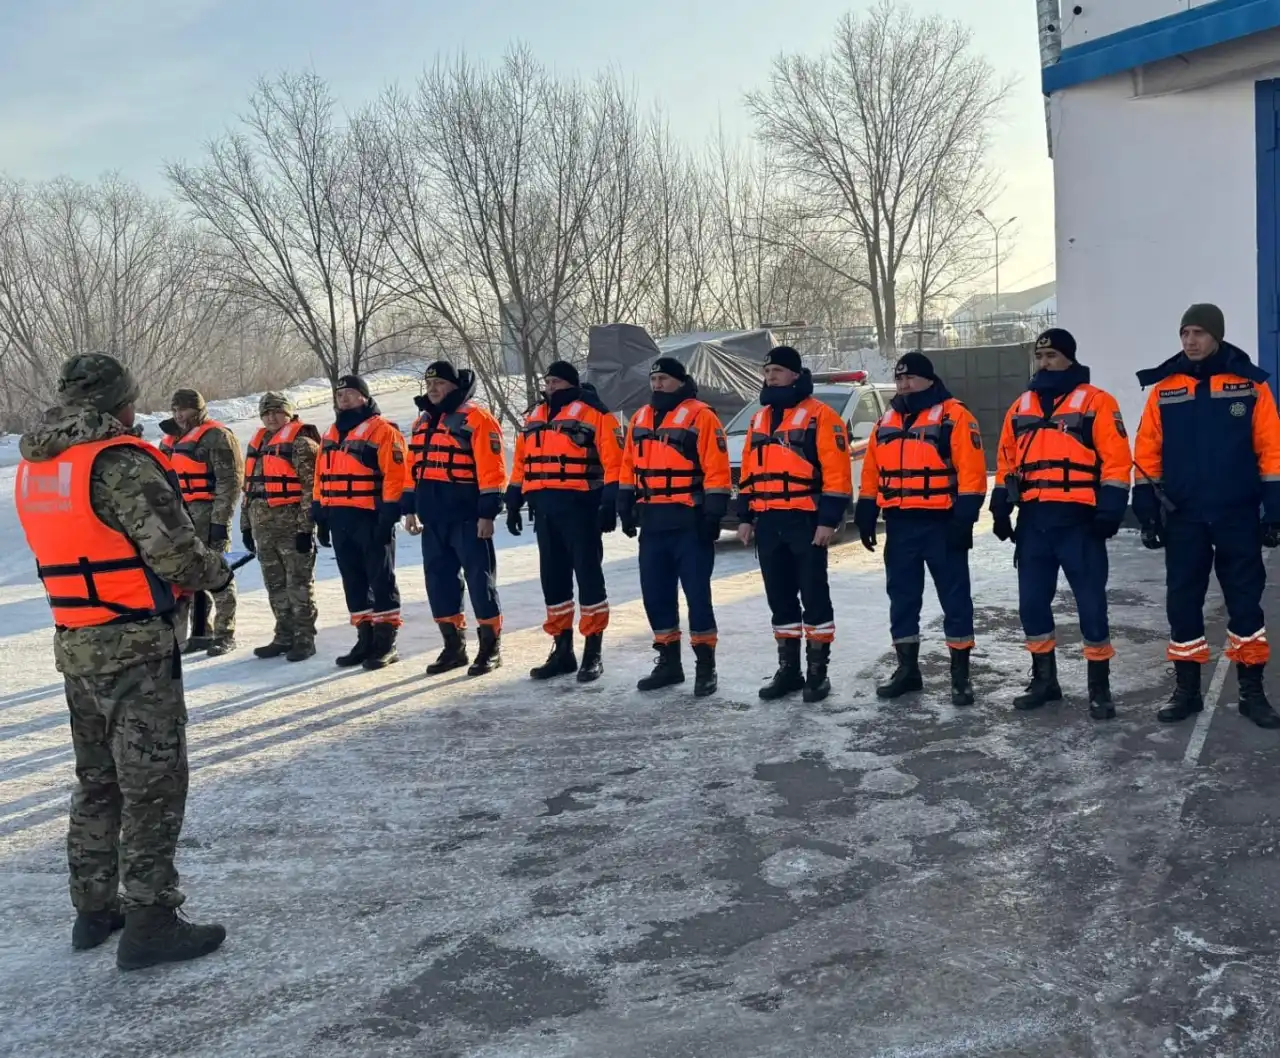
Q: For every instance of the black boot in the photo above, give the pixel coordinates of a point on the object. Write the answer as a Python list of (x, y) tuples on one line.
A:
[(1253, 699), (788, 679), (705, 681), (667, 669), (1043, 687), (592, 667), (560, 662), (816, 684), (94, 927), (906, 677), (357, 654), (301, 650), (1100, 705), (454, 654), (961, 686), (154, 935), (1186, 699), (489, 656), (197, 645), (274, 649), (382, 647)]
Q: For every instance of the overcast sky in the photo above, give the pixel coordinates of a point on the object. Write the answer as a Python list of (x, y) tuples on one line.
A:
[(92, 85)]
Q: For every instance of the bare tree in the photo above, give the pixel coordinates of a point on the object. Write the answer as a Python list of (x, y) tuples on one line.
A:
[(868, 133), (291, 203)]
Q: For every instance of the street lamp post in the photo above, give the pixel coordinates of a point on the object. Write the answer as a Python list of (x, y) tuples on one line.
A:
[(995, 230)]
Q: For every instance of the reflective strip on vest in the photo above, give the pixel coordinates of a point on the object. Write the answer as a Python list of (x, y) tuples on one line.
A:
[(780, 470), (561, 453), (922, 476), (667, 465), (447, 454), (269, 473), (350, 475), (1057, 458), (195, 476)]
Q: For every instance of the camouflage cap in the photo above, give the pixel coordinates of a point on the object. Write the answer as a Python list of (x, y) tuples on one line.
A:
[(96, 380), (187, 398), (275, 402)]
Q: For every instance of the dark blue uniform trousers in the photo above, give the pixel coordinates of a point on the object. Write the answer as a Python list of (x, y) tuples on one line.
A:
[(911, 545), (1232, 547), (451, 551), (1042, 549), (367, 563), (570, 546), (795, 575), (671, 559)]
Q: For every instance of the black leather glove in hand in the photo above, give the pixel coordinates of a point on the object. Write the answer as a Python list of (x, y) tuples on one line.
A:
[(1002, 527), (1152, 538), (246, 536), (959, 535), (217, 535), (607, 519), (868, 537), (514, 522), (709, 530), (322, 535), (1105, 526), (304, 544), (627, 520), (1271, 534)]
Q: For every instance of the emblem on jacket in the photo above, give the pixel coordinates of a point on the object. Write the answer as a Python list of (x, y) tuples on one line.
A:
[(1238, 409)]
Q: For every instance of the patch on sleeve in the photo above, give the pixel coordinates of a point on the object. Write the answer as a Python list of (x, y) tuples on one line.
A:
[(620, 432), (495, 445), (841, 442), (975, 436), (1120, 425), (721, 443), (397, 456)]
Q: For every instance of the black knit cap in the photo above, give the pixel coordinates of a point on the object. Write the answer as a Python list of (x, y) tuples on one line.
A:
[(1206, 316), (669, 365), (564, 371), (441, 369), (914, 363), (355, 382), (1059, 340), (784, 356)]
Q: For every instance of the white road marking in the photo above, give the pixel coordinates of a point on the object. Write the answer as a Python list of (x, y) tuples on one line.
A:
[(1201, 732)]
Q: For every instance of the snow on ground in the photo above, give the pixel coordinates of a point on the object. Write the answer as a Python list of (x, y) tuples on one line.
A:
[(490, 867)]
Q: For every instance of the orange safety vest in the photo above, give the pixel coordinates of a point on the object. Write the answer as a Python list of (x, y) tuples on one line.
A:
[(269, 473), (165, 444), (195, 476), (667, 467), (780, 469), (1056, 455), (561, 453), (449, 454), (92, 574), (914, 462), (348, 472)]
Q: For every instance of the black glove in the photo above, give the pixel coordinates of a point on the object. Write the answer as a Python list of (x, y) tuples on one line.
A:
[(1271, 534), (709, 529), (627, 519), (1105, 526), (1002, 526), (217, 535), (514, 522), (1152, 538), (959, 534), (868, 537), (322, 535), (607, 518), (304, 544), (246, 536)]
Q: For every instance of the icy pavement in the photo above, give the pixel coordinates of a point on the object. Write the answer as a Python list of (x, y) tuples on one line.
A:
[(446, 867)]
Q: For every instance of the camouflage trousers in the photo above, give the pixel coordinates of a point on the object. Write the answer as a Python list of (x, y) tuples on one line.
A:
[(223, 603), (128, 730), (287, 574)]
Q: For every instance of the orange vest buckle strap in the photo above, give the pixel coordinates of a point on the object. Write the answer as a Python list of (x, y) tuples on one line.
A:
[(784, 463), (195, 475), (562, 450), (1067, 429), (446, 453), (667, 467), (269, 473), (914, 477), (351, 476)]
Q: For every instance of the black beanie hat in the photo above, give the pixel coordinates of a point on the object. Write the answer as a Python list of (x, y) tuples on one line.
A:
[(1207, 316), (1060, 341), (441, 369), (669, 365), (564, 371), (784, 356), (355, 382), (914, 364)]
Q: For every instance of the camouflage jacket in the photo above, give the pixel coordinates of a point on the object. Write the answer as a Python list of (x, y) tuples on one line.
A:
[(131, 493), (306, 447), (221, 450)]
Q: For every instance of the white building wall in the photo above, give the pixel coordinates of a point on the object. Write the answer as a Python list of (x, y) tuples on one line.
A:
[(1100, 18), (1155, 209)]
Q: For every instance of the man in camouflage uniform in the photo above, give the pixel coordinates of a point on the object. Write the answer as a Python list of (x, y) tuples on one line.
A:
[(281, 533), (123, 677), (217, 449)]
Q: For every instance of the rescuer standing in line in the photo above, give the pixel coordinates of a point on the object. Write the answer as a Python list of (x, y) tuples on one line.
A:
[(275, 523), (458, 473), (796, 484), (361, 476), (1207, 457), (925, 469), (114, 547), (1064, 463), (674, 485), (566, 465), (210, 472)]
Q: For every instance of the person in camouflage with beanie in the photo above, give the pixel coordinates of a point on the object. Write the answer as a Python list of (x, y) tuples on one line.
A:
[(115, 546), (275, 523)]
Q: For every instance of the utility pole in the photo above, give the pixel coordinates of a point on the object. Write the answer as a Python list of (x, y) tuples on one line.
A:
[(996, 232)]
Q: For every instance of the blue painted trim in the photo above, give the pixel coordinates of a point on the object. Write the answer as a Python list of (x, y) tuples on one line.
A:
[(1200, 27), (1267, 134)]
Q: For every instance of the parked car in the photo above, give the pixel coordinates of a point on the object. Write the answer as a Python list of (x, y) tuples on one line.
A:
[(859, 402)]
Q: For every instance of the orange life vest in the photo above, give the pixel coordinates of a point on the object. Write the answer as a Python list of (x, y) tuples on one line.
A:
[(667, 467), (195, 476), (449, 454), (165, 444), (269, 473), (780, 470), (562, 453), (348, 472), (1057, 459), (92, 574), (914, 462)]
